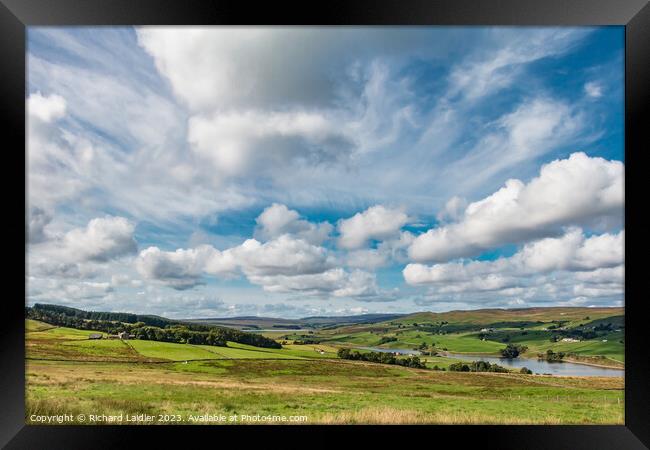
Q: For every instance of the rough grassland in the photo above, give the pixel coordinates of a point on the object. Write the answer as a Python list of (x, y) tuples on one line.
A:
[(488, 316), (136, 377), (324, 391)]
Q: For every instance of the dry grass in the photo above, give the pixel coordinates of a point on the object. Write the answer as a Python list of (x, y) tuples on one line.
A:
[(79, 376), (313, 388), (391, 416), (49, 407)]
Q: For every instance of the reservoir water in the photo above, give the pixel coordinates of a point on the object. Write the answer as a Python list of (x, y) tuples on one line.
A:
[(541, 366), (566, 369)]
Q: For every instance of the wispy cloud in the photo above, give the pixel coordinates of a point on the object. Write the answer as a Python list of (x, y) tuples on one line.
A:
[(206, 170)]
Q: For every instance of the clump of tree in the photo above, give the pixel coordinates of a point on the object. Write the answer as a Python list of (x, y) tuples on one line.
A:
[(526, 371), (551, 356), (513, 351), (459, 367), (386, 339), (604, 327), (477, 366), (179, 335), (381, 357)]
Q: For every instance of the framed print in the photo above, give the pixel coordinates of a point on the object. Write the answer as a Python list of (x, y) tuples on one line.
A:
[(351, 220)]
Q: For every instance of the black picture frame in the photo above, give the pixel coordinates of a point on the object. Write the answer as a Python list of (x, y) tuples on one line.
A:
[(16, 15)]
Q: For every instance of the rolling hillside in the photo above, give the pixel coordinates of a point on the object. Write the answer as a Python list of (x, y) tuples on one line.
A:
[(500, 316), (169, 381), (252, 322)]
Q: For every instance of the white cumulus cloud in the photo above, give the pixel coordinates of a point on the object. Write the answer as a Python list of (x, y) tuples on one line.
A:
[(284, 264), (550, 269), (376, 222), (46, 108), (277, 220), (102, 239), (236, 143), (574, 191)]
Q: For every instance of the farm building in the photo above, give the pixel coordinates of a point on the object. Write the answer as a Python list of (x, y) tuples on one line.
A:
[(124, 335), (570, 340), (95, 336)]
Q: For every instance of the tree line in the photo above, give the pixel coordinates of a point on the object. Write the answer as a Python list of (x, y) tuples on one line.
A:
[(166, 330), (477, 366), (381, 357)]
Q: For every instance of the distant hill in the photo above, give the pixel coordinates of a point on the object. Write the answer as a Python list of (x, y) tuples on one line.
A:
[(492, 316), (342, 320), (269, 323), (250, 322)]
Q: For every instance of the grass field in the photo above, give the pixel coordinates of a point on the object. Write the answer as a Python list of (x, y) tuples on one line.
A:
[(460, 342), (47, 342), (67, 373), (491, 316), (323, 391), (538, 341), (459, 332)]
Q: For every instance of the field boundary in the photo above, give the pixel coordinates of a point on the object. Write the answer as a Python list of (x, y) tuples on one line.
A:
[(44, 329)]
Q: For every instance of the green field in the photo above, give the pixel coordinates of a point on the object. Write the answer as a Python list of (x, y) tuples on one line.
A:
[(460, 332), (493, 316), (49, 332), (538, 341), (68, 373), (322, 391), (68, 343), (460, 343), (168, 350)]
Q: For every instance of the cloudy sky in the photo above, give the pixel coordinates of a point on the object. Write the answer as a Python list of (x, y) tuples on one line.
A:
[(288, 172)]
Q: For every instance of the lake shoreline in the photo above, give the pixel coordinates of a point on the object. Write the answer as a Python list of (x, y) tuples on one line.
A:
[(577, 361), (532, 358), (571, 360)]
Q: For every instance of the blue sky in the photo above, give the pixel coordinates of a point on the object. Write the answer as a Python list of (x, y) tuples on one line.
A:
[(205, 171)]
